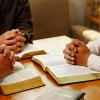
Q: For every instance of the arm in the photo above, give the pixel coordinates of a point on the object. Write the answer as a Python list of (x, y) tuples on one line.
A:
[(13, 39), (93, 62), (23, 20), (86, 58), (83, 56), (80, 53), (94, 46)]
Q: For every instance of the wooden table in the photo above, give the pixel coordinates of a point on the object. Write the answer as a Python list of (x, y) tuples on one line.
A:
[(91, 88)]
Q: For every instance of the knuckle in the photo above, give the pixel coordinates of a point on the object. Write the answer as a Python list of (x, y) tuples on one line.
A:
[(65, 57)]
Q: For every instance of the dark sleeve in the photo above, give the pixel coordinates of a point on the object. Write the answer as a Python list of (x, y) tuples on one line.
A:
[(23, 19)]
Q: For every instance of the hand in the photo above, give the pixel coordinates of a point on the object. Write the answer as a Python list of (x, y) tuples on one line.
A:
[(81, 57), (69, 52), (15, 40), (76, 53), (6, 61)]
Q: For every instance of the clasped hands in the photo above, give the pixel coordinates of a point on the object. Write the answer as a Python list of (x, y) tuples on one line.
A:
[(13, 39), (11, 42), (77, 53)]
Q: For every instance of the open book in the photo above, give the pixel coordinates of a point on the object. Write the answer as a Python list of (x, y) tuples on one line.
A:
[(29, 51), (43, 46), (21, 79), (61, 94), (62, 72)]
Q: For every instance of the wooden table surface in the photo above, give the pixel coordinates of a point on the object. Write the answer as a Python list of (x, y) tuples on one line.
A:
[(91, 88)]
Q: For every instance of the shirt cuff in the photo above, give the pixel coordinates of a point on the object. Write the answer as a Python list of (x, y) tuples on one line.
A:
[(94, 62)]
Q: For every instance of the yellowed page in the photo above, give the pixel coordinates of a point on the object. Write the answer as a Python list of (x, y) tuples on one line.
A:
[(49, 45), (67, 73), (63, 72), (49, 59), (19, 75), (53, 44), (28, 48)]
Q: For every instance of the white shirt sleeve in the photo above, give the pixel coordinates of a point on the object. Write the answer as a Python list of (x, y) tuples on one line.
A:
[(94, 59), (94, 46), (94, 62)]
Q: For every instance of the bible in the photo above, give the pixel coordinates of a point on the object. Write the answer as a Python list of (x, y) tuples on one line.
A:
[(28, 51), (43, 46), (20, 79), (62, 72), (62, 94)]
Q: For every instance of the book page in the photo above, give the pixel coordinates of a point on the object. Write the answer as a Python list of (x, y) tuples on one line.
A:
[(28, 48), (53, 44), (71, 73), (19, 75), (18, 66), (49, 59), (49, 45), (56, 62), (61, 94), (70, 70)]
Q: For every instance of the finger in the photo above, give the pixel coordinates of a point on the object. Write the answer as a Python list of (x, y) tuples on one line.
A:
[(11, 67), (69, 57), (69, 52), (10, 36), (13, 31), (2, 47), (18, 49), (13, 47), (16, 32), (13, 62), (72, 47), (20, 44), (77, 42), (12, 58), (10, 42), (1, 50), (11, 55), (6, 52), (19, 32), (70, 62), (20, 38)]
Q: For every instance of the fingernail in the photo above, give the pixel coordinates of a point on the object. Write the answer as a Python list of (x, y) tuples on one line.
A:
[(75, 50), (72, 63), (72, 58), (72, 54)]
